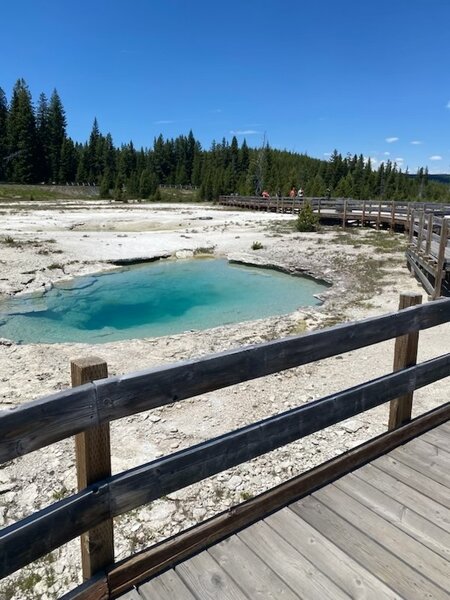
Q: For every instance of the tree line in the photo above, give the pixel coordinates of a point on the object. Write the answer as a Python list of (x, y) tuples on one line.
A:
[(35, 148)]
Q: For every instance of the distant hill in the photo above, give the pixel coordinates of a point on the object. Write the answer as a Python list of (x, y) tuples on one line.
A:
[(439, 178)]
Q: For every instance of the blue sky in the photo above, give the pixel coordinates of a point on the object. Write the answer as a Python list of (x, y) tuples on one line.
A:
[(370, 78)]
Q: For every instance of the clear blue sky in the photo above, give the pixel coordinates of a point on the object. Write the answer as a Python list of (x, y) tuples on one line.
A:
[(362, 77)]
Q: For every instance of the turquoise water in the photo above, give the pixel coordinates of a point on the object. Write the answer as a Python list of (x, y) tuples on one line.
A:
[(152, 300)]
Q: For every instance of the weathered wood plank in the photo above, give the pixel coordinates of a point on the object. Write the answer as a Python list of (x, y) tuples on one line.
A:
[(168, 586), (135, 392), (93, 460), (395, 573), (432, 467), (28, 539), (146, 483), (153, 560), (415, 554), (293, 568), (348, 574), (46, 420), (427, 448), (208, 580), (415, 479), (405, 355), (408, 520), (257, 580), (131, 595), (438, 438), (427, 507)]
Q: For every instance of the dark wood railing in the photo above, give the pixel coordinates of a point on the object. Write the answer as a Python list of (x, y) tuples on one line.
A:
[(91, 406)]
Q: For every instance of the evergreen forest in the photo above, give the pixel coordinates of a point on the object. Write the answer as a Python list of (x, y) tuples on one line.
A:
[(35, 148)]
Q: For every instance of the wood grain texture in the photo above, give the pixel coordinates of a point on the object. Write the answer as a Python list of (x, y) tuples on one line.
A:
[(397, 542), (93, 461), (168, 586), (294, 569), (405, 355), (408, 520), (405, 494), (257, 580), (395, 573), (414, 479), (28, 539), (347, 573), (208, 580)]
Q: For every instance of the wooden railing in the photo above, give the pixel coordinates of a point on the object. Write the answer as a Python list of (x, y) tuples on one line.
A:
[(86, 409), (385, 212), (428, 253), (425, 223)]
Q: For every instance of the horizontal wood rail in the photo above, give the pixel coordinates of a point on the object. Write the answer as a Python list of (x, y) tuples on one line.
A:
[(52, 418), (30, 538), (55, 417)]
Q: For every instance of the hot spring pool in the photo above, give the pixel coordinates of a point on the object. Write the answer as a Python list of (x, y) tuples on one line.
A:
[(152, 300)]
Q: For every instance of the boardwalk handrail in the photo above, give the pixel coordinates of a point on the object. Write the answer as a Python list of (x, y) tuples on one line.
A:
[(52, 418), (57, 524), (48, 419)]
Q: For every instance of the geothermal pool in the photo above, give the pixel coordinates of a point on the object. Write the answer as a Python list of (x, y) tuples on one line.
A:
[(156, 299)]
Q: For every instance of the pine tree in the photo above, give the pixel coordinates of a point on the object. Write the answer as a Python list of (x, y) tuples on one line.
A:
[(57, 134), (3, 134), (21, 135), (43, 140)]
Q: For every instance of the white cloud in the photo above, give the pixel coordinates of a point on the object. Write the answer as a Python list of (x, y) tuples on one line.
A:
[(390, 140), (163, 122), (435, 157), (387, 153), (416, 142), (399, 159), (244, 132), (448, 104), (327, 153)]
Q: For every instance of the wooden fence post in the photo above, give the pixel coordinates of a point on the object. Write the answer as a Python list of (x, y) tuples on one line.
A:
[(93, 457), (429, 234), (441, 258), (363, 218), (405, 355), (411, 226), (420, 231), (344, 216)]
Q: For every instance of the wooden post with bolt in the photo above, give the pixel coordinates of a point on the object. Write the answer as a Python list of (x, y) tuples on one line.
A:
[(405, 355), (93, 457)]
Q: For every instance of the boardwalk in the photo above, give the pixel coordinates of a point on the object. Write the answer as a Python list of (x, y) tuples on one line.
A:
[(428, 253), (380, 532)]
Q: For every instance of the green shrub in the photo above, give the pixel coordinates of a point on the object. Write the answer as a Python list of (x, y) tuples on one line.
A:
[(307, 220), (257, 246)]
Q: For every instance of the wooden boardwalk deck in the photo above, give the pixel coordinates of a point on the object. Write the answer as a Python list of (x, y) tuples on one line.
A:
[(380, 532)]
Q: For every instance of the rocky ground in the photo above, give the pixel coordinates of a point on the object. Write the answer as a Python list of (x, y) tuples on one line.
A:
[(42, 244)]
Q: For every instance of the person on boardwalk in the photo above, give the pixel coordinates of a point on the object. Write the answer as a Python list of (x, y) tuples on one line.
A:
[(293, 192), (300, 193), (266, 195)]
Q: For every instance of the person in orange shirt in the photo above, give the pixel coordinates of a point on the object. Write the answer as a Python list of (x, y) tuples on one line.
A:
[(293, 192), (266, 194)]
